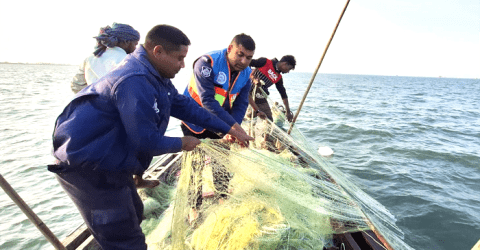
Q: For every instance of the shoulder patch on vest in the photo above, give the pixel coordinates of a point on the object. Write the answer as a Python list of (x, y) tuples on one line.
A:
[(206, 71)]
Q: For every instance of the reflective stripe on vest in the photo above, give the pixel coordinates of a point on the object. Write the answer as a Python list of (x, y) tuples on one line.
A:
[(192, 90), (220, 95)]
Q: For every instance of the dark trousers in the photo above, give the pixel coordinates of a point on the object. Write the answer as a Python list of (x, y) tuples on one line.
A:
[(110, 206), (262, 106)]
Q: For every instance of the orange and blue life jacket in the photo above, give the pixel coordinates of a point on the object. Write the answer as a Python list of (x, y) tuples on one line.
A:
[(225, 90)]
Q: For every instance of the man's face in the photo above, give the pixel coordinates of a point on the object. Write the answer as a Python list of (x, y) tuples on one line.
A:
[(238, 57), (168, 64), (284, 67), (131, 46)]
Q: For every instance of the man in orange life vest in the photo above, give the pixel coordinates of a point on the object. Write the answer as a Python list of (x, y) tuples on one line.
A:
[(220, 83), (269, 72)]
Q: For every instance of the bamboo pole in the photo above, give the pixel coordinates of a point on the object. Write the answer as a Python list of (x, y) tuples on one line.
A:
[(316, 70), (378, 234), (30, 214)]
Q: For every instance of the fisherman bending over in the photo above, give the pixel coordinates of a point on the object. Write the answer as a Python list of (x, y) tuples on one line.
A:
[(113, 45), (112, 129), (270, 72)]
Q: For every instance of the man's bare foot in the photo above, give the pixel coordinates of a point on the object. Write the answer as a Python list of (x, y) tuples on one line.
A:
[(141, 183)]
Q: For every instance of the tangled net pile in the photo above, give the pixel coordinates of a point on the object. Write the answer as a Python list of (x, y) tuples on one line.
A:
[(278, 193)]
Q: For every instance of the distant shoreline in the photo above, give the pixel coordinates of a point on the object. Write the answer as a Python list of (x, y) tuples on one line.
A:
[(440, 77), (41, 63)]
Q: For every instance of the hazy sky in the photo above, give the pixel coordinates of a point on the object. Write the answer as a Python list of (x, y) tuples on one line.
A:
[(395, 37)]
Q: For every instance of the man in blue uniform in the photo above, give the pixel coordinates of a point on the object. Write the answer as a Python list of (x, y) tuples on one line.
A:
[(112, 129), (220, 83)]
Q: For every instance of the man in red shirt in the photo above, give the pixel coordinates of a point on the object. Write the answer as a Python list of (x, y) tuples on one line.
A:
[(267, 73)]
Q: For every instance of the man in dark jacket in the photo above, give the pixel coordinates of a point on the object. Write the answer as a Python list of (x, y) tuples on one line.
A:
[(112, 129)]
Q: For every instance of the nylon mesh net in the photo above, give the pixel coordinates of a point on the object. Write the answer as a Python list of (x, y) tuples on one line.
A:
[(278, 193)]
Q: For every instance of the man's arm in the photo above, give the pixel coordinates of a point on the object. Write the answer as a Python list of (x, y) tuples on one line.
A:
[(79, 82), (258, 63), (186, 109), (135, 102), (283, 94), (288, 113)]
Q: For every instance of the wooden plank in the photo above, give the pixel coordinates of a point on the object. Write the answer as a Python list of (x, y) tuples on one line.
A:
[(372, 240), (352, 242), (77, 237), (380, 236), (90, 244), (159, 162), (158, 172), (208, 188), (345, 241)]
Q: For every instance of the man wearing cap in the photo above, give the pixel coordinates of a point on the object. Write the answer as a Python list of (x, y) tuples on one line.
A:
[(267, 73), (113, 45)]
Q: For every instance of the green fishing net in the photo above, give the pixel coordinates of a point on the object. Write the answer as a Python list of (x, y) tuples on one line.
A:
[(278, 193)]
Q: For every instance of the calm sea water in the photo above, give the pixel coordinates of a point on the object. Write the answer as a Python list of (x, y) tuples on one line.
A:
[(411, 143)]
